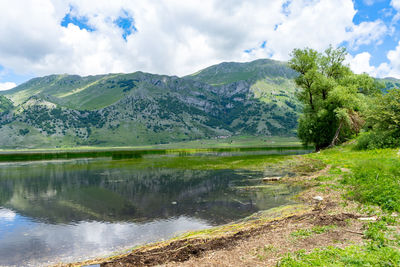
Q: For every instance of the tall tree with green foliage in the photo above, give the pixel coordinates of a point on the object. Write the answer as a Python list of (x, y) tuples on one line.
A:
[(333, 96)]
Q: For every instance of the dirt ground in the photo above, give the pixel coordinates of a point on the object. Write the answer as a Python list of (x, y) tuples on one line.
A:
[(262, 246), (264, 243)]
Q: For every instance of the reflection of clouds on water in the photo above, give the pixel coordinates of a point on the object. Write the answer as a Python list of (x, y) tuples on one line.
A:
[(68, 211), (7, 215), (47, 243)]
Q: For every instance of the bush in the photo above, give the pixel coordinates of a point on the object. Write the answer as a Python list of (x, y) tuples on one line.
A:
[(23, 131), (378, 139), (383, 122)]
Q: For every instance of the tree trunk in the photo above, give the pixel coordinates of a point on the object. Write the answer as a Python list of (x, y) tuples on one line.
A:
[(311, 100), (335, 138), (317, 148)]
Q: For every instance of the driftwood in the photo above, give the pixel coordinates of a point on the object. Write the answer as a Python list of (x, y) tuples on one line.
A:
[(271, 179)]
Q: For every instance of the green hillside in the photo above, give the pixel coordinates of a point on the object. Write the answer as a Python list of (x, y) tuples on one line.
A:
[(5, 104), (255, 98), (73, 91), (390, 83), (229, 72)]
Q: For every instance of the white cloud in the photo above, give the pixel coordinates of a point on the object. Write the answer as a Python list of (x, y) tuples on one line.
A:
[(366, 33), (7, 215), (394, 62), (395, 4), (314, 24), (174, 37), (7, 85), (361, 63)]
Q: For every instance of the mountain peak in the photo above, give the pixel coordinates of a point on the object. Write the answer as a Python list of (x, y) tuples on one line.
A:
[(229, 72)]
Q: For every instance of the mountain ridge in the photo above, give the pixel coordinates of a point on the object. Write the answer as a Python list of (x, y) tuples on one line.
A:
[(254, 98)]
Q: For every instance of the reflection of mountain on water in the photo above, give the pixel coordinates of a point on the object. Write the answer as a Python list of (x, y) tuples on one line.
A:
[(75, 191)]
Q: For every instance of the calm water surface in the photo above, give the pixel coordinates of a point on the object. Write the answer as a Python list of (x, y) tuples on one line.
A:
[(71, 210)]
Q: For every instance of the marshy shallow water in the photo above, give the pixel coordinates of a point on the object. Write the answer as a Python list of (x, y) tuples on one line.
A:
[(53, 211)]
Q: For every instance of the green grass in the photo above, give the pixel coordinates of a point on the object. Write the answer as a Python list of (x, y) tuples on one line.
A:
[(350, 256), (376, 182), (381, 250), (372, 178), (303, 233), (375, 174), (265, 251)]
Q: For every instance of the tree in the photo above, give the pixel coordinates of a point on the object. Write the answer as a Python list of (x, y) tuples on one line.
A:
[(333, 96), (382, 122)]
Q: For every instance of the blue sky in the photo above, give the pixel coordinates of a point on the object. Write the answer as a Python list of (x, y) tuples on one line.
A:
[(174, 37), (377, 10)]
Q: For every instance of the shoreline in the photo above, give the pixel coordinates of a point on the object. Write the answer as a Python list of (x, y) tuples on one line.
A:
[(323, 218)]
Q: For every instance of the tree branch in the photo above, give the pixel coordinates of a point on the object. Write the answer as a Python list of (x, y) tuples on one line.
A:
[(335, 138)]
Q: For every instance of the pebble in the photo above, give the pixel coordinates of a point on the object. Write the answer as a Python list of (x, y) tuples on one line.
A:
[(318, 198)]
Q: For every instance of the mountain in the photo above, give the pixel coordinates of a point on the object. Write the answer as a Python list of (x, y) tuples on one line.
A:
[(254, 98), (390, 83), (5, 104), (229, 72)]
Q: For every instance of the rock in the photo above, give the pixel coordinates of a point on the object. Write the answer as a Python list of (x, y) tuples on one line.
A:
[(271, 179), (367, 218), (318, 198)]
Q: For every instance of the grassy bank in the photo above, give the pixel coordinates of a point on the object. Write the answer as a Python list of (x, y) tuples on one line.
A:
[(371, 179), (374, 175)]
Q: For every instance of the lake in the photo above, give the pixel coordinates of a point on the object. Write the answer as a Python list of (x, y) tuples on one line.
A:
[(71, 210)]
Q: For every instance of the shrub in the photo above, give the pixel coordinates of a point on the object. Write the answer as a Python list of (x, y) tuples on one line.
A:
[(383, 122), (378, 139)]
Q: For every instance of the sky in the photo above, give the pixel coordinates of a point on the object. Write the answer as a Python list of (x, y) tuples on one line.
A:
[(175, 37)]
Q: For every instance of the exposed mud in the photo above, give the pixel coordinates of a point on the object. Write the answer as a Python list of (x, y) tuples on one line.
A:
[(338, 219), (183, 250)]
